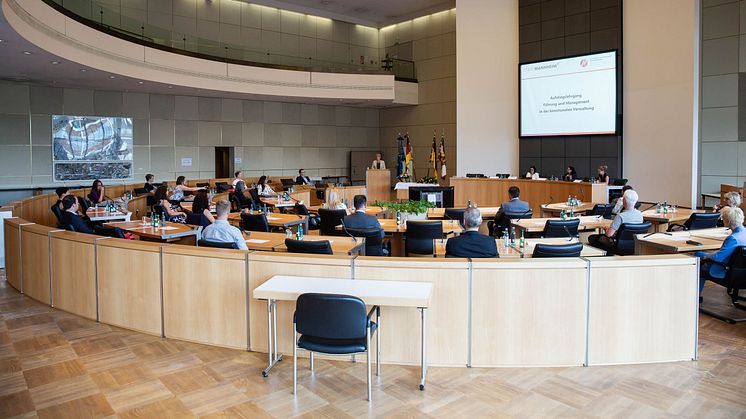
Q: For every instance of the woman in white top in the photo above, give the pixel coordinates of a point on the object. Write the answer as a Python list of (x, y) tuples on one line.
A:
[(333, 201), (263, 189), (378, 163), (182, 187), (532, 173)]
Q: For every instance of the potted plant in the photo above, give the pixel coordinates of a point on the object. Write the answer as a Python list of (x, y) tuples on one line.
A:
[(428, 179), (409, 209)]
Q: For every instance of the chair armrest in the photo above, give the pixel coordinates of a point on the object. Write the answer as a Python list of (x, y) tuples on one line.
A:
[(375, 309), (671, 227)]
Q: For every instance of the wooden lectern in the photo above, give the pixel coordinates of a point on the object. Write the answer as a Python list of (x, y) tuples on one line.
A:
[(378, 182)]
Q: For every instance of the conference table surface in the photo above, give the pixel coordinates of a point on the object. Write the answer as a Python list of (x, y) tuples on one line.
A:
[(661, 220), (676, 241), (440, 213), (536, 225), (375, 211), (275, 219), (341, 245), (170, 231), (390, 227), (556, 208), (515, 251), (188, 206), (100, 214)]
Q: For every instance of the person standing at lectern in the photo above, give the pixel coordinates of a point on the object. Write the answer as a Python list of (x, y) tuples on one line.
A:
[(378, 163), (471, 243)]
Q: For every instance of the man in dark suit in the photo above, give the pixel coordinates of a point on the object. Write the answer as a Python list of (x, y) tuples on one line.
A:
[(515, 205), (302, 179), (359, 220), (471, 243), (70, 216)]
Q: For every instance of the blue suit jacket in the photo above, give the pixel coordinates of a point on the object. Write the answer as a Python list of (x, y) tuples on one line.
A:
[(361, 221), (471, 244), (515, 205), (731, 243)]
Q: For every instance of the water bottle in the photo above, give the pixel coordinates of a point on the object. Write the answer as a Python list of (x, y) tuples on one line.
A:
[(512, 236), (523, 241), (154, 220), (658, 208), (398, 218), (288, 234), (569, 200), (665, 207), (468, 204), (506, 238), (563, 215)]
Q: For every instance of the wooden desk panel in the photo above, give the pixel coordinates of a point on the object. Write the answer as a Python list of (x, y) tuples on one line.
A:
[(676, 242), (378, 184), (447, 333), (528, 312), (554, 210), (261, 241), (492, 192), (171, 231), (35, 255), (536, 225), (643, 309), (13, 262), (74, 273), (129, 284), (488, 213), (341, 245)]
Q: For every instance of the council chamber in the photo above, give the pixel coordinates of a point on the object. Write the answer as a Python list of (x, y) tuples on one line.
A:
[(433, 209)]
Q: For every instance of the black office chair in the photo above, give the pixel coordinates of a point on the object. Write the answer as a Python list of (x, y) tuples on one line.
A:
[(218, 245), (698, 221), (197, 220), (570, 250), (337, 325), (115, 232), (329, 220), (561, 228), (287, 184), (420, 235), (373, 240), (222, 186), (619, 182), (139, 191), (603, 210), (638, 205), (160, 211), (455, 214), (501, 222), (624, 239), (254, 222), (203, 184), (734, 281), (84, 204), (316, 247), (57, 211), (313, 218), (255, 199)]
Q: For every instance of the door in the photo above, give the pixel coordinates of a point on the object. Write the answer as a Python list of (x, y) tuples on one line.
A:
[(223, 162)]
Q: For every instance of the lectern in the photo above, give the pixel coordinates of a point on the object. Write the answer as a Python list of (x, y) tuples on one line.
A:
[(378, 182)]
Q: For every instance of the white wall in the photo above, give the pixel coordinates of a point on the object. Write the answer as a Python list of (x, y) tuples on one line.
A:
[(661, 97), (487, 86)]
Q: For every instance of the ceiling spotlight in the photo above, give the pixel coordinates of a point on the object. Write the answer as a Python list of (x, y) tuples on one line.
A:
[(54, 62), (170, 87), (26, 52), (140, 82), (112, 77), (1, 41), (83, 70)]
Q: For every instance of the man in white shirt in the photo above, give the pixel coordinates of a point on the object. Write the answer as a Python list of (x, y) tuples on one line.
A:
[(221, 231), (629, 215)]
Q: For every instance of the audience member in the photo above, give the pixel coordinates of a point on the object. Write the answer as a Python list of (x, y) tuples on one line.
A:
[(181, 188), (98, 192), (149, 187), (221, 231), (70, 216), (515, 205), (730, 199), (713, 264), (532, 173), (201, 208), (161, 197), (359, 220), (333, 201), (263, 189), (629, 215), (471, 243), (302, 179)]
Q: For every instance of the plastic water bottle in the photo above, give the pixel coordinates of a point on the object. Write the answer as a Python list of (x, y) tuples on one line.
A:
[(398, 218), (563, 215), (512, 236), (468, 204), (569, 200), (665, 207), (300, 231), (506, 238), (658, 208), (288, 234), (523, 241)]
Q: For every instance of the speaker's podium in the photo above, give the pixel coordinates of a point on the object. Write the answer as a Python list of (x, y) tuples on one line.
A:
[(378, 183)]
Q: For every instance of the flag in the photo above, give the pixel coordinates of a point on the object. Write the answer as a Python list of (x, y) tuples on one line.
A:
[(442, 156), (400, 158), (408, 158), (433, 160)]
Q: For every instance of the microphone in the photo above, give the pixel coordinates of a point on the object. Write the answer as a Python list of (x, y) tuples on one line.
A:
[(568, 233), (344, 228), (650, 207), (657, 232)]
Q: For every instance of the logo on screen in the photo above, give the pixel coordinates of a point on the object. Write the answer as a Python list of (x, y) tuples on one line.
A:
[(584, 63)]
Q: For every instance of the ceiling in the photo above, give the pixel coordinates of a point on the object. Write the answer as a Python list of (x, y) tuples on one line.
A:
[(376, 13)]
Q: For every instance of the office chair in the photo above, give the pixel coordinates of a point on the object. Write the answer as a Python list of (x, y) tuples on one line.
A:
[(255, 199), (287, 183), (139, 191), (373, 240), (57, 211), (254, 222), (603, 210), (698, 221), (198, 220), (316, 247), (160, 211), (329, 220), (222, 186), (203, 184), (569, 250), (455, 214), (115, 232), (420, 235), (218, 245), (501, 222), (619, 182), (334, 324), (734, 281), (561, 228), (624, 239), (313, 218)]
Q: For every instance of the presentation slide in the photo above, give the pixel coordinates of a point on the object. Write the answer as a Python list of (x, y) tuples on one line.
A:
[(569, 96)]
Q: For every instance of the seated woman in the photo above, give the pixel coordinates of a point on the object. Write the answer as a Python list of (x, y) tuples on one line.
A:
[(201, 214), (730, 199), (181, 187), (713, 264), (263, 189), (161, 197), (532, 173), (333, 201), (570, 174), (602, 176), (98, 192)]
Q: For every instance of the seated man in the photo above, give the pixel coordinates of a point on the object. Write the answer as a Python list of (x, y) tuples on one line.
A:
[(148, 186), (70, 215), (302, 179), (733, 219), (629, 215), (61, 192), (515, 205), (471, 243), (221, 231), (359, 220)]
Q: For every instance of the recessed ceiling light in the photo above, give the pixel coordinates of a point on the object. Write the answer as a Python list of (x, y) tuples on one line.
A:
[(83, 70), (1, 41), (140, 82), (112, 77), (26, 52), (170, 87), (54, 62)]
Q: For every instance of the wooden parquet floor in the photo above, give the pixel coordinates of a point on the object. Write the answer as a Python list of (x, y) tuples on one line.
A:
[(56, 365)]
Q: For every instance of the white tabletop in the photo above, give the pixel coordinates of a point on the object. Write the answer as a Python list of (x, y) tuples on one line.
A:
[(382, 293), (407, 185)]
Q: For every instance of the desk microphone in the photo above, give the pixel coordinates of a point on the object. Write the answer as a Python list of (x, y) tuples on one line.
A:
[(657, 232), (650, 207), (568, 233), (344, 228)]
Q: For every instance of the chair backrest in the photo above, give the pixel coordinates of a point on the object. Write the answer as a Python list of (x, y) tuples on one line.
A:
[(455, 214), (317, 247), (619, 182), (108, 231), (736, 274), (287, 182), (301, 209), (698, 221), (603, 210), (507, 216), (561, 228), (557, 250), (222, 186), (235, 202), (420, 235), (625, 237), (57, 211), (255, 196), (197, 220), (219, 245), (254, 222), (203, 184), (373, 239), (330, 219), (139, 191), (158, 209), (330, 316)]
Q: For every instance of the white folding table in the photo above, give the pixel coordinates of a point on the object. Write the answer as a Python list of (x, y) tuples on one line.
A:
[(380, 293)]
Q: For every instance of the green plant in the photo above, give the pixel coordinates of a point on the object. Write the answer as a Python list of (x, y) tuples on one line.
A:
[(428, 179), (412, 207)]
